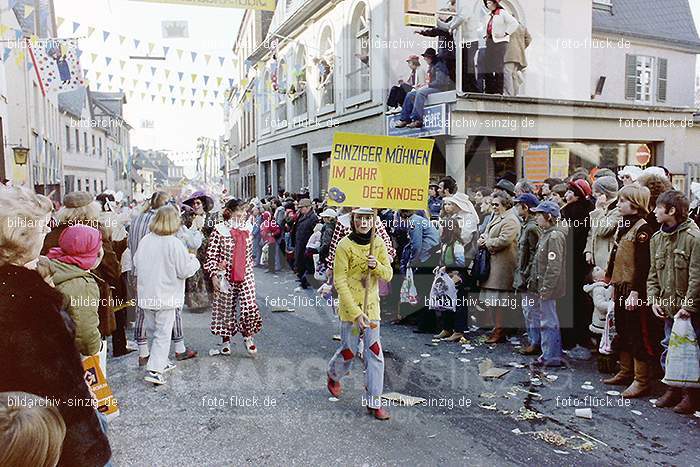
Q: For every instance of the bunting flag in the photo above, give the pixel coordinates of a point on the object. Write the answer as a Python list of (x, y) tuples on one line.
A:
[(6, 54), (76, 26), (194, 57), (207, 58), (122, 64), (122, 39), (153, 71), (151, 46), (59, 21), (194, 77), (230, 83), (110, 78), (167, 74), (91, 31), (28, 10), (172, 99), (222, 60), (108, 60), (160, 87), (136, 43), (105, 35), (93, 58), (165, 51), (139, 67), (57, 65), (179, 53), (194, 92), (163, 99), (206, 80), (180, 75), (172, 88)]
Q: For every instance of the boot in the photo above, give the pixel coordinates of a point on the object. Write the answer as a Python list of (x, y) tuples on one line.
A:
[(498, 334), (640, 386), (625, 375), (671, 397), (689, 403)]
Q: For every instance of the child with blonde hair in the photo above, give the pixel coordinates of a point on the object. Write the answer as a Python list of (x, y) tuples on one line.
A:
[(31, 431)]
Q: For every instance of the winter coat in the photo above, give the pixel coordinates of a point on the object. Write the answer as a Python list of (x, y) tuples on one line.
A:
[(109, 271), (82, 295), (161, 265), (548, 274), (519, 41), (601, 293), (527, 246), (269, 229), (326, 238), (674, 276), (37, 344), (439, 76), (304, 229), (601, 236), (424, 239), (503, 25), (501, 241), (349, 272)]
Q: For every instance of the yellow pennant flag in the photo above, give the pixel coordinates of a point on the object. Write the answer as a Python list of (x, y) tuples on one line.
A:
[(163, 99), (91, 30), (201, 105), (28, 10), (205, 93), (218, 81), (160, 86), (139, 67), (182, 102), (143, 95), (134, 82), (97, 75), (179, 53), (167, 74), (182, 90), (122, 64), (59, 21), (19, 59), (93, 57), (122, 39), (151, 46), (194, 77), (3, 29)]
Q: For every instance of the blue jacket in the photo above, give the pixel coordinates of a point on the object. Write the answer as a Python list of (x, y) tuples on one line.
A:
[(440, 76), (434, 206), (424, 238)]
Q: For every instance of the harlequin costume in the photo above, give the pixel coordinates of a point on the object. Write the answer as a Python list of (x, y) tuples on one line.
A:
[(230, 255)]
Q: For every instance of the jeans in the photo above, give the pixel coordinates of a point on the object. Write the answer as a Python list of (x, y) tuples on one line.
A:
[(414, 104), (533, 318), (668, 326), (341, 363), (159, 326), (545, 312)]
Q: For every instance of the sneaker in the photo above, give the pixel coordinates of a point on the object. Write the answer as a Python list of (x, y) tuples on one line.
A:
[(250, 345), (169, 367), (155, 378), (401, 124)]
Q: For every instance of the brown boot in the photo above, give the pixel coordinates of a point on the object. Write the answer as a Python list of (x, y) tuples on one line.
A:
[(625, 375), (671, 397), (689, 403), (497, 335), (640, 386)]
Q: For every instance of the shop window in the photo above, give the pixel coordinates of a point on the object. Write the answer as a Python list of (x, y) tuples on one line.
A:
[(297, 86), (265, 104), (358, 76)]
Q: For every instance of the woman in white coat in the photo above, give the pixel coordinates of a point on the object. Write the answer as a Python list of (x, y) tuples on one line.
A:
[(499, 26)]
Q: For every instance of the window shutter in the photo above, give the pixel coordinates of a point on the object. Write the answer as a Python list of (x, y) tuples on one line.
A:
[(630, 77), (662, 80)]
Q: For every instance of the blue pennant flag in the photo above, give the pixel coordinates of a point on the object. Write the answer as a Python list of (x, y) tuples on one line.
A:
[(216, 94), (18, 34), (192, 102), (153, 71), (222, 60), (180, 75), (6, 54), (173, 100), (136, 43), (108, 60), (206, 79), (194, 91), (172, 88), (30, 65), (105, 35), (111, 77), (80, 53), (148, 84), (230, 83), (76, 26), (194, 57), (165, 51)]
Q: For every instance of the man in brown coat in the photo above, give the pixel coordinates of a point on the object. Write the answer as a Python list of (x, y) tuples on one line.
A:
[(515, 60)]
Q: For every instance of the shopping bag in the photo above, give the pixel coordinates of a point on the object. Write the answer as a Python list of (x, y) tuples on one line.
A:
[(99, 388), (409, 294), (443, 293), (481, 269), (683, 356), (320, 269), (606, 339), (264, 255)]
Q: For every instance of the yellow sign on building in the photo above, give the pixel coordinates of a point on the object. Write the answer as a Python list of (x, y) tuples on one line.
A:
[(268, 5), (380, 171)]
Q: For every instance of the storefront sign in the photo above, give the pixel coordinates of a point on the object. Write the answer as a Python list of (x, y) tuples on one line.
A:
[(268, 5), (435, 123), (504, 154), (535, 162), (420, 13), (379, 171), (559, 163)]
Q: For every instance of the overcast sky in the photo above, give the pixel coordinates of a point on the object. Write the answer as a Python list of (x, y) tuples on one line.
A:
[(211, 31)]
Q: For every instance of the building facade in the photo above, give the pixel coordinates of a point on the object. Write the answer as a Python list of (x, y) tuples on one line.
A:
[(604, 79)]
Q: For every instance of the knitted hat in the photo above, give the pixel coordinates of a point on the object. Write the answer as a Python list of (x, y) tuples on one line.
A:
[(79, 245), (607, 185), (581, 188), (77, 199)]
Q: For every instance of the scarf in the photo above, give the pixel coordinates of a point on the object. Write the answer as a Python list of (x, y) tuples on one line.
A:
[(238, 255), (360, 239), (670, 229)]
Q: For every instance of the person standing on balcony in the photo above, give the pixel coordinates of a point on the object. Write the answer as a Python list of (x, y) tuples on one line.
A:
[(438, 81), (516, 60), (466, 30), (499, 27)]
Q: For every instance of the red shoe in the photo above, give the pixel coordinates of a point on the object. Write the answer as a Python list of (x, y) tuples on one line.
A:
[(334, 387), (380, 414)]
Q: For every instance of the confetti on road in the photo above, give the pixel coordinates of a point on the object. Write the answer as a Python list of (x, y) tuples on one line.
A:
[(587, 387), (425, 355), (636, 412), (333, 399), (613, 393)]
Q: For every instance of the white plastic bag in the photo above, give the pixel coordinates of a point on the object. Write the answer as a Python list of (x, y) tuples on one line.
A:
[(609, 333), (264, 254), (683, 357), (443, 293), (409, 294), (319, 270)]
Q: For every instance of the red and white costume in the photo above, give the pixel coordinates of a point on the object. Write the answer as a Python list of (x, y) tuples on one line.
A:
[(220, 256)]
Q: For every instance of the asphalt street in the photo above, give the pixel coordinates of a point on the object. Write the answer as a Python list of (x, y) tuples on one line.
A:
[(274, 409)]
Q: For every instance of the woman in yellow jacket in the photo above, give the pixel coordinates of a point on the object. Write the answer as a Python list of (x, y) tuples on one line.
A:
[(355, 270)]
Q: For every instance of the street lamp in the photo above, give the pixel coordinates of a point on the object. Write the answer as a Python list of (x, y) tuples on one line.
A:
[(21, 153)]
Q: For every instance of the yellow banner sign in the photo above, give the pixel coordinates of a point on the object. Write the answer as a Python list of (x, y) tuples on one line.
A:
[(380, 171), (268, 5)]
